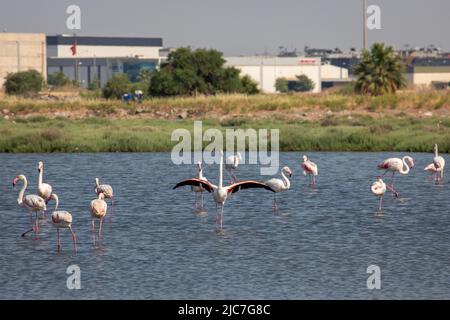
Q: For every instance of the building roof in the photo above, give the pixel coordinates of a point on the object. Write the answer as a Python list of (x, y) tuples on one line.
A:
[(104, 41), (272, 61), (431, 61)]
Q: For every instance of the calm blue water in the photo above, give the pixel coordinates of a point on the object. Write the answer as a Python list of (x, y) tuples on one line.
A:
[(318, 245)]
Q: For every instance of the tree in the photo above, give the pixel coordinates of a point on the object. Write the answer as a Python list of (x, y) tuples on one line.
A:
[(117, 86), (144, 75), (58, 79), (281, 85), (380, 71), (303, 84), (200, 71), (249, 86), (94, 84), (24, 82)]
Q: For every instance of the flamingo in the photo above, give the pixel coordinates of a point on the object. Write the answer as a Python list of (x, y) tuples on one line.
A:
[(31, 202), (220, 193), (378, 188), (437, 166), (44, 189), (280, 185), (98, 211), (231, 165), (62, 219), (396, 165), (106, 189), (199, 189), (310, 169)]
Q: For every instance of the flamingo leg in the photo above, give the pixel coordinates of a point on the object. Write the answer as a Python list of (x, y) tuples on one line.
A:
[(58, 241), (36, 223), (275, 206), (221, 216), (100, 230), (380, 202), (217, 214), (234, 177), (32, 226), (201, 200), (74, 239), (112, 205), (93, 232), (195, 200), (43, 214), (391, 186)]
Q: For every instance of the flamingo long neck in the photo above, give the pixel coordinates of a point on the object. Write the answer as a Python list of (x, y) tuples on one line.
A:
[(200, 174), (405, 165), (41, 173), (221, 172), (57, 202), (97, 183), (436, 151), (22, 191), (287, 183)]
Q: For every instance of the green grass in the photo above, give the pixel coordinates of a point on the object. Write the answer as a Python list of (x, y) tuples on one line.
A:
[(359, 133)]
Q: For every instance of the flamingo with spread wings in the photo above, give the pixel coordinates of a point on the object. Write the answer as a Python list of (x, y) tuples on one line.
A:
[(220, 193)]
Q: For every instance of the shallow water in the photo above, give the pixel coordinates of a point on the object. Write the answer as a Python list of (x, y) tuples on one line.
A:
[(318, 246)]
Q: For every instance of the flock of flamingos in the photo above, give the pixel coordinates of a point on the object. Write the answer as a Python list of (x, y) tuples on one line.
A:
[(98, 207)]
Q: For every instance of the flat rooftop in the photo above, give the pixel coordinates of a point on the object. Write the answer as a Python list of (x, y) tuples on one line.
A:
[(104, 41)]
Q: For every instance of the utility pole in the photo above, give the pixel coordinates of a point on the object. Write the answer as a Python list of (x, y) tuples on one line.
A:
[(365, 24), (18, 55)]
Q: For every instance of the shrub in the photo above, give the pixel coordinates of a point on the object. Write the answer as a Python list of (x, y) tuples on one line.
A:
[(117, 86), (24, 82), (303, 84), (281, 85), (58, 79)]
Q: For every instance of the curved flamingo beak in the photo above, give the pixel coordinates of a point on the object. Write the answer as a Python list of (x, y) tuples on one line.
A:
[(14, 182)]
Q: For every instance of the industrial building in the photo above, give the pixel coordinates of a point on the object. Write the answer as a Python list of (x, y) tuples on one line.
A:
[(429, 71), (84, 59), (21, 52), (266, 70)]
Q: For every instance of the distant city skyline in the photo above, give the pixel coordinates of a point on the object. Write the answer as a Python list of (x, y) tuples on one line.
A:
[(244, 27)]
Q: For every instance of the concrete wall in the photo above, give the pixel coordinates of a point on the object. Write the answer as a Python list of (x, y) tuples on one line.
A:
[(428, 78), (21, 52), (330, 72)]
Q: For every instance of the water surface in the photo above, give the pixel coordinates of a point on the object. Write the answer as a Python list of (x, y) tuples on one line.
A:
[(318, 246)]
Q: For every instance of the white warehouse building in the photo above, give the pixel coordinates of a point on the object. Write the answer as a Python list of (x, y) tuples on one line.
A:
[(266, 70)]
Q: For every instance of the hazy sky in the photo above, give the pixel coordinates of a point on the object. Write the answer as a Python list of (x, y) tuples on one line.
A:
[(239, 27)]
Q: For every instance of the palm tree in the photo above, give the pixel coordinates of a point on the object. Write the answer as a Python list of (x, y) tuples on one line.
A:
[(380, 71)]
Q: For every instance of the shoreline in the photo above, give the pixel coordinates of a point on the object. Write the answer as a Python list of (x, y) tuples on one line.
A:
[(407, 122)]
